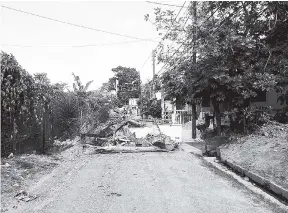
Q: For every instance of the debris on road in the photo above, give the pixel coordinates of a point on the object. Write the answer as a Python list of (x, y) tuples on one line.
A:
[(19, 172), (117, 137), (123, 149), (115, 194), (24, 196)]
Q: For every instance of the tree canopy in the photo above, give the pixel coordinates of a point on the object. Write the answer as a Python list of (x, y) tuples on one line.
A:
[(128, 83), (242, 47)]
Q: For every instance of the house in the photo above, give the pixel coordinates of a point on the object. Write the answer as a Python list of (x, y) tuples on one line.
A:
[(181, 114), (174, 112)]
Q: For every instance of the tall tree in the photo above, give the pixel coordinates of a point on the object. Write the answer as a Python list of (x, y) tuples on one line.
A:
[(241, 46), (128, 83), (149, 105)]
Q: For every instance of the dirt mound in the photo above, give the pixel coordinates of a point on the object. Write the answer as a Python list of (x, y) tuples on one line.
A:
[(265, 152)]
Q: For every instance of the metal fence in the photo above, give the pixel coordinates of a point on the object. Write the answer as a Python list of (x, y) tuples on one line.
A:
[(182, 116)]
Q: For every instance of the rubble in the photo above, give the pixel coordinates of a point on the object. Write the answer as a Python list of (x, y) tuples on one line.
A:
[(117, 137), (18, 172), (123, 149), (24, 196)]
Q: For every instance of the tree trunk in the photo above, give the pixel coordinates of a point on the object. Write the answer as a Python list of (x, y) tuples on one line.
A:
[(244, 123), (194, 120), (217, 116)]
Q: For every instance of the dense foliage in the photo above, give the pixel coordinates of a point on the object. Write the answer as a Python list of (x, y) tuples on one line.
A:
[(128, 84), (242, 48), (25, 101), (34, 111), (148, 104)]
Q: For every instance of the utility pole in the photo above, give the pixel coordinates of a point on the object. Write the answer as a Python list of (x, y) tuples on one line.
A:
[(194, 12), (153, 79), (141, 97)]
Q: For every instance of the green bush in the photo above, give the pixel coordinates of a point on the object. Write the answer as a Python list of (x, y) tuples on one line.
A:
[(65, 112)]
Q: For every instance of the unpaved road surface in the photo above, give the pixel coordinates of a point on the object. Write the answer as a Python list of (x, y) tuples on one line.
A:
[(143, 182)]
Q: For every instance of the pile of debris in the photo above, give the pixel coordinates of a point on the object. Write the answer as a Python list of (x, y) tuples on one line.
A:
[(117, 137)]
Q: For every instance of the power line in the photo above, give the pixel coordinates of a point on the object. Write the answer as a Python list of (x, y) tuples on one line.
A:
[(146, 61), (72, 46), (75, 25), (172, 5)]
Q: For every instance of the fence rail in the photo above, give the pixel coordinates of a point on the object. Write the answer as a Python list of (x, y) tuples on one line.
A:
[(182, 116)]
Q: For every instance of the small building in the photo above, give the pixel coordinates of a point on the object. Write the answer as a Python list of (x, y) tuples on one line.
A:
[(175, 112)]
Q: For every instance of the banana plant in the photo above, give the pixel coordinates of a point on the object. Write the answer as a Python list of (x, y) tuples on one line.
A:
[(82, 95)]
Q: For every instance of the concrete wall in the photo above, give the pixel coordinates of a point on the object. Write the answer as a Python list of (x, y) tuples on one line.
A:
[(186, 135), (173, 131)]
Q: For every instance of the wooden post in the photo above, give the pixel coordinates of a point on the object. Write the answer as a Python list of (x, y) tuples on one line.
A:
[(14, 142), (244, 122), (153, 79), (45, 128), (194, 120), (43, 135)]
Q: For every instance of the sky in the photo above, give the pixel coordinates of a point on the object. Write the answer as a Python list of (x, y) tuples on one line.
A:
[(48, 46)]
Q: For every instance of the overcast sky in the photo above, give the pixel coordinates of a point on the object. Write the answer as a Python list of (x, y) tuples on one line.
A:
[(90, 63)]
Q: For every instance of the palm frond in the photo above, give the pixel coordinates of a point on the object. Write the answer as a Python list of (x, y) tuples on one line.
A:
[(87, 85)]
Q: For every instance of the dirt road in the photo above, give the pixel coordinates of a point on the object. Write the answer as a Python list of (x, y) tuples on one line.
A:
[(143, 182)]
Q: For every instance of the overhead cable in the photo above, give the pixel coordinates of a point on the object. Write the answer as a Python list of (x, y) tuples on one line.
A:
[(71, 46), (172, 5), (75, 25)]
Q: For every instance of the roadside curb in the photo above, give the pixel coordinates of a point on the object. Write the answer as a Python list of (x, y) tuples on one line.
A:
[(267, 184), (188, 148)]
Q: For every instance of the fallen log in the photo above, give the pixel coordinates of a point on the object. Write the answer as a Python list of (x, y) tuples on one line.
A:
[(123, 149), (124, 123)]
